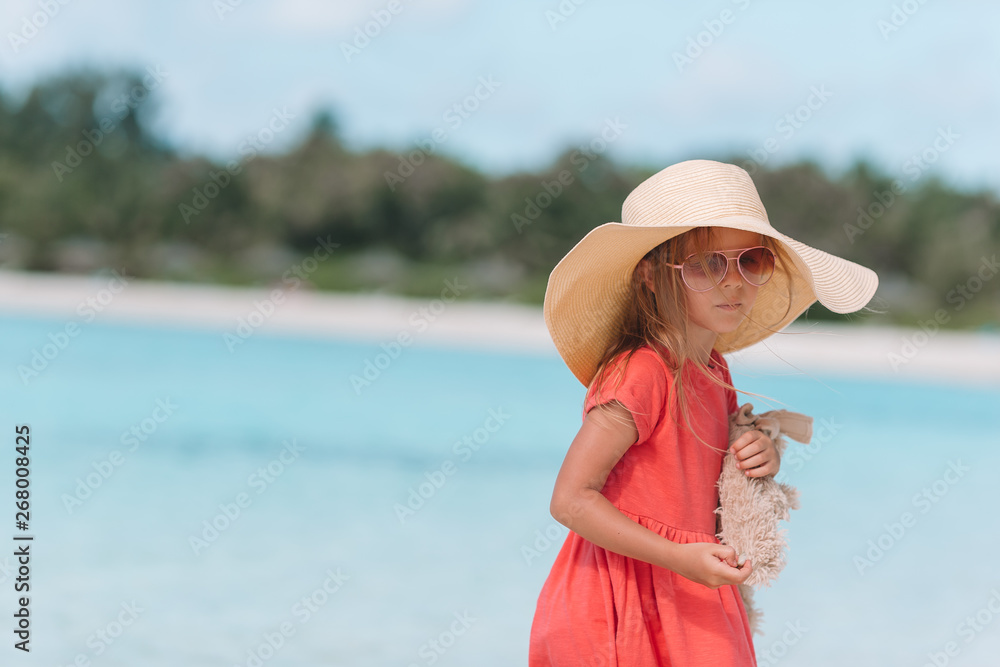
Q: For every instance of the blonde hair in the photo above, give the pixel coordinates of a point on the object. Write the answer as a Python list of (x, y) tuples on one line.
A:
[(661, 316)]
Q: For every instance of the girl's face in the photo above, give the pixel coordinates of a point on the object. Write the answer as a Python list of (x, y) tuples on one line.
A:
[(711, 312)]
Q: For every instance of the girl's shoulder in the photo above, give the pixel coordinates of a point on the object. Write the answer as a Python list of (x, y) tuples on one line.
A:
[(665, 357), (639, 380), (645, 359), (639, 366), (657, 363)]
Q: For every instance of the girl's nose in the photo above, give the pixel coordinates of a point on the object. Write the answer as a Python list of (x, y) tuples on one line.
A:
[(733, 277)]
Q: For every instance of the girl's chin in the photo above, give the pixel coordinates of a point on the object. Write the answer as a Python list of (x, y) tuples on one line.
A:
[(728, 322), (721, 320)]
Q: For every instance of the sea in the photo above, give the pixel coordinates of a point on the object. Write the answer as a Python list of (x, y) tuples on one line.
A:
[(305, 501)]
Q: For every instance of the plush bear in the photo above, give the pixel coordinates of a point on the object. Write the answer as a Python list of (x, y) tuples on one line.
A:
[(751, 507)]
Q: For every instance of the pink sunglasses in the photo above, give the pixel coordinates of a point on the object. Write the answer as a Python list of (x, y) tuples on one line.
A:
[(756, 265)]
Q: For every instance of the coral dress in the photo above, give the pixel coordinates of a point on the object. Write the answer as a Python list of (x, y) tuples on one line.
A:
[(601, 609)]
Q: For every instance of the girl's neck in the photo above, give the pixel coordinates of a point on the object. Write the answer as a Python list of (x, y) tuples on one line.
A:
[(694, 354), (701, 344)]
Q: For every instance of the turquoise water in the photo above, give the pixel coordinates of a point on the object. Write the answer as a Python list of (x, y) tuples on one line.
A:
[(312, 559)]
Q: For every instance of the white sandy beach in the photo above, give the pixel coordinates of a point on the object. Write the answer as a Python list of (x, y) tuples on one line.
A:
[(858, 350)]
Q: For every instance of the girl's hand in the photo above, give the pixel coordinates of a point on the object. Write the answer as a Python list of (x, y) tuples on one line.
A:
[(709, 564), (756, 454)]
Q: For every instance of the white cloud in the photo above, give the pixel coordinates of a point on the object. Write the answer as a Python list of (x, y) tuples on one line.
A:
[(312, 17)]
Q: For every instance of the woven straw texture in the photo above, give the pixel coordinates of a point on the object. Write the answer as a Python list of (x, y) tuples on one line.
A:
[(587, 290)]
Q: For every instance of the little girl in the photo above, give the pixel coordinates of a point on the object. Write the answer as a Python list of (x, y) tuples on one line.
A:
[(641, 312)]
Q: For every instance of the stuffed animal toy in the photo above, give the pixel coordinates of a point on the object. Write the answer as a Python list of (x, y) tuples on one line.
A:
[(751, 507)]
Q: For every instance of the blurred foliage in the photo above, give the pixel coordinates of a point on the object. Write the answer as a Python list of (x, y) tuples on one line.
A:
[(86, 184)]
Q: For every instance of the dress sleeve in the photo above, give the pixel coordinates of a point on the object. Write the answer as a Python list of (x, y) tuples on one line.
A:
[(640, 383)]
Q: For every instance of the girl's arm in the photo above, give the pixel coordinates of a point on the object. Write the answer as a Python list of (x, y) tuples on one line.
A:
[(577, 502)]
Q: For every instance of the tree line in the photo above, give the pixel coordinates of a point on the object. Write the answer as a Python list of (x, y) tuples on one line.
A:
[(85, 184)]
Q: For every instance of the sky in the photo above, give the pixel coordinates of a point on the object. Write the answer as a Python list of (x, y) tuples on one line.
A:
[(770, 82)]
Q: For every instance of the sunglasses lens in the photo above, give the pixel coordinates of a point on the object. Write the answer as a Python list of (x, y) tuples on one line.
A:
[(695, 275), (757, 265)]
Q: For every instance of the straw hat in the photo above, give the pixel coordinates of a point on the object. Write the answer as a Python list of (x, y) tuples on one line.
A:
[(588, 289)]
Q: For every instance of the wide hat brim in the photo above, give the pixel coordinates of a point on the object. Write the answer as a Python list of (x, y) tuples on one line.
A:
[(587, 291)]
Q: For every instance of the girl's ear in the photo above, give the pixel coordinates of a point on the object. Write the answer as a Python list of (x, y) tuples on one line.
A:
[(645, 273)]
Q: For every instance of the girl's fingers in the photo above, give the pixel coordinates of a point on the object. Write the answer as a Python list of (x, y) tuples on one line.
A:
[(727, 555), (744, 440), (756, 443), (759, 465), (753, 461), (745, 453), (768, 468)]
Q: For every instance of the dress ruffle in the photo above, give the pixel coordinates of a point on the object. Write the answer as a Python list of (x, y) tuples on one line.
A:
[(637, 604)]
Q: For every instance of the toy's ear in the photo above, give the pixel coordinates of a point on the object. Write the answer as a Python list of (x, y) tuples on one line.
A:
[(769, 425), (744, 416), (795, 425)]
